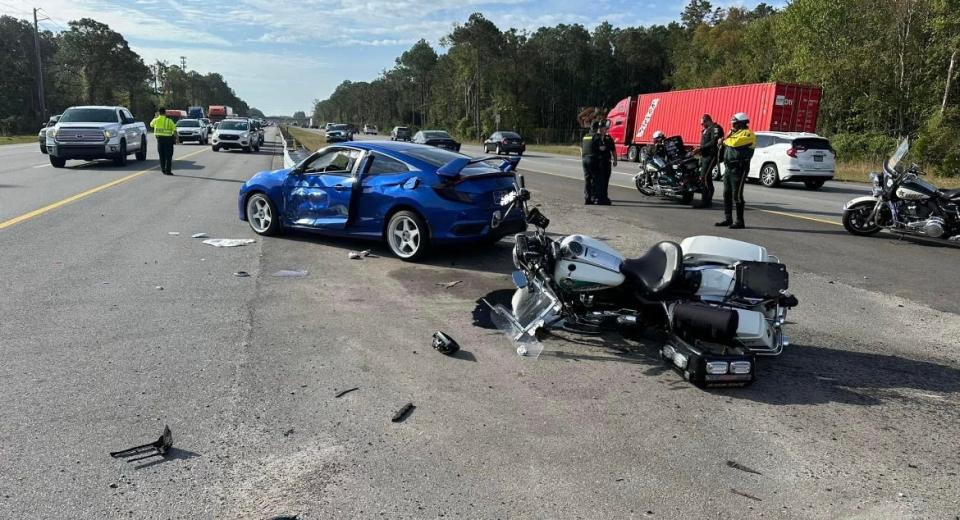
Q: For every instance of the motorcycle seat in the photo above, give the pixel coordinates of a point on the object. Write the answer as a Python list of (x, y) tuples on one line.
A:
[(951, 194), (657, 270)]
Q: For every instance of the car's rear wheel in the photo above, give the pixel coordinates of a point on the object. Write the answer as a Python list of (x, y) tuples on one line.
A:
[(262, 215), (499, 150), (407, 236), (769, 175), (814, 184)]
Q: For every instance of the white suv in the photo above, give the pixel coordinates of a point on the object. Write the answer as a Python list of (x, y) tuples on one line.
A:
[(792, 157)]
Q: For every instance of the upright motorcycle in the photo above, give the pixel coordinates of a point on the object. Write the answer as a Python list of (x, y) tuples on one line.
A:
[(721, 302), (903, 202), (677, 177)]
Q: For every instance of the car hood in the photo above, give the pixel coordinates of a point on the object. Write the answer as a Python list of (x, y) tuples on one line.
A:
[(231, 132), (268, 177)]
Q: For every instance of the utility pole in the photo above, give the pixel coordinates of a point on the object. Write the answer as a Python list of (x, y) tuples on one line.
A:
[(183, 63), (36, 47)]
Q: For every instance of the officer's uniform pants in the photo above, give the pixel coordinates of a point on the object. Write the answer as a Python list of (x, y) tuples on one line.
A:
[(734, 178), (603, 181), (708, 162), (165, 149), (589, 180)]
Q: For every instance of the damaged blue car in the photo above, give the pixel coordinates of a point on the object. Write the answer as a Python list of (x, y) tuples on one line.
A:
[(410, 196)]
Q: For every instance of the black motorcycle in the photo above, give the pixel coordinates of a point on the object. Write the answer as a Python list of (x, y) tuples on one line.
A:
[(676, 176), (903, 202)]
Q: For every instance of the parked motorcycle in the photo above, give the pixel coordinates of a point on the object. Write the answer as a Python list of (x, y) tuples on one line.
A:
[(721, 302), (675, 177), (903, 202)]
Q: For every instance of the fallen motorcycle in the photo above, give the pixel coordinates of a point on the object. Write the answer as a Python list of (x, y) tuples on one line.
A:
[(903, 202), (721, 302)]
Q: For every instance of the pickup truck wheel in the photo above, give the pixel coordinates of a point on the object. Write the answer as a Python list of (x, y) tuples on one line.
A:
[(142, 151), (57, 162), (43, 148), (121, 157)]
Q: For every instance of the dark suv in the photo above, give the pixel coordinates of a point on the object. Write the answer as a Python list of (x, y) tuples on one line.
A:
[(400, 133), (504, 143)]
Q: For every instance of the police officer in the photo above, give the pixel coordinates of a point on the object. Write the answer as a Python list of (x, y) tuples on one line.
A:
[(164, 129), (659, 146), (589, 152), (737, 151), (607, 160), (710, 139)]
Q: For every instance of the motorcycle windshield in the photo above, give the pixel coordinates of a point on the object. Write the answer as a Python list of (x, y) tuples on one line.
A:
[(520, 324), (898, 155)]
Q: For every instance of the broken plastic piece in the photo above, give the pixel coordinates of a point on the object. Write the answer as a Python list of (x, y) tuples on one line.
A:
[(448, 285), (741, 467), (241, 274), (353, 255), (228, 242), (199, 235), (159, 447), (173, 233), (347, 391), (527, 345), (403, 413), (159, 287), (290, 273), (444, 344), (366, 253), (748, 495)]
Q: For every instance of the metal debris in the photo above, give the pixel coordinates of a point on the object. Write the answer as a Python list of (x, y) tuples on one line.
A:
[(173, 233), (403, 413), (241, 274), (291, 273), (353, 255), (347, 391), (199, 235), (448, 285), (741, 467), (159, 287), (743, 494), (157, 448), (228, 242)]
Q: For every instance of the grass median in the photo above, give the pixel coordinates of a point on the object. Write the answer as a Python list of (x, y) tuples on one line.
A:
[(859, 171), (312, 141), (17, 139)]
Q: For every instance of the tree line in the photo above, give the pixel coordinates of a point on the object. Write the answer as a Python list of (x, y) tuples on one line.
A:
[(90, 64), (888, 68)]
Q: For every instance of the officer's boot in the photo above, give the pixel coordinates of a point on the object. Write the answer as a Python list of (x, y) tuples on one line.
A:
[(739, 223)]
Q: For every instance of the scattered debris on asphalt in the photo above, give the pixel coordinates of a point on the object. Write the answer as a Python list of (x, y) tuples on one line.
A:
[(286, 517), (199, 235), (173, 233), (743, 494), (347, 391), (288, 432), (447, 285), (741, 467), (159, 287), (241, 274), (353, 255), (444, 344), (228, 242), (157, 448), (290, 273), (366, 253), (403, 413)]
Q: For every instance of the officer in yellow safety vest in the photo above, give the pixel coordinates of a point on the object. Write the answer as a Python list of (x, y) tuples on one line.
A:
[(165, 130), (737, 151)]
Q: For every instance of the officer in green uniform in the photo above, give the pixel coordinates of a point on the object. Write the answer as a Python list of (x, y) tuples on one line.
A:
[(589, 153), (709, 147), (164, 129), (737, 151), (607, 160)]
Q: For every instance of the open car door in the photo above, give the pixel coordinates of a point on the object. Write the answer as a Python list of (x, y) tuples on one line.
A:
[(318, 191)]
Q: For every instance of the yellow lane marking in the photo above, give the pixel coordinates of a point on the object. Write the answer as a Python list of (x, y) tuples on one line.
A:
[(780, 213), (63, 202)]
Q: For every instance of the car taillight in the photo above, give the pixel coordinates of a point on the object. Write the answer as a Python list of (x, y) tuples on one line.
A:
[(451, 194), (792, 152)]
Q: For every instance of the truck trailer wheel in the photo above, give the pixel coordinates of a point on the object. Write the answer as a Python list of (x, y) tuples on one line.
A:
[(633, 154)]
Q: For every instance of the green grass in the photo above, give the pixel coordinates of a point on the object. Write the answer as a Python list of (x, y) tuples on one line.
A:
[(561, 149), (859, 171), (18, 139), (312, 141)]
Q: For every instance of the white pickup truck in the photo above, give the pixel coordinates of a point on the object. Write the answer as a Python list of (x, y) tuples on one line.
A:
[(96, 132)]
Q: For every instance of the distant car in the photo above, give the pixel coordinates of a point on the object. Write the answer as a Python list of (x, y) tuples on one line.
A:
[(410, 196), (42, 136), (192, 130), (437, 138), (235, 133), (792, 157), (206, 122), (504, 143), (339, 134), (370, 129), (400, 133), (328, 126), (258, 127)]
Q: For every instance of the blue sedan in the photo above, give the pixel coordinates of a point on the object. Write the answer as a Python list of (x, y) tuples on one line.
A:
[(411, 196)]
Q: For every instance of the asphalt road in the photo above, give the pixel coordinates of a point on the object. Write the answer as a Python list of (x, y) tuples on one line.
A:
[(858, 419)]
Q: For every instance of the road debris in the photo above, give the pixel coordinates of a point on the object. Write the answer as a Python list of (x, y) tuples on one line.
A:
[(157, 448), (448, 285), (743, 494), (173, 233), (159, 287), (347, 391), (353, 255), (228, 242), (241, 274), (290, 273), (288, 432), (741, 467), (444, 344), (403, 413), (199, 235)]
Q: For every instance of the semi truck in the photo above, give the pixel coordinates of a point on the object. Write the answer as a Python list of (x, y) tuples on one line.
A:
[(218, 113), (176, 115), (775, 107), (195, 113)]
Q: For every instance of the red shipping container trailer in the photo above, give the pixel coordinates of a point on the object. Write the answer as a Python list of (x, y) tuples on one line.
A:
[(777, 107), (219, 112)]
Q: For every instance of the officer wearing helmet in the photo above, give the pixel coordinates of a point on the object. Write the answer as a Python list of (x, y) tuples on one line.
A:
[(590, 156), (737, 151), (659, 147)]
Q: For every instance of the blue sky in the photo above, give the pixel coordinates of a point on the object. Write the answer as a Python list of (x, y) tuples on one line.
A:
[(279, 56)]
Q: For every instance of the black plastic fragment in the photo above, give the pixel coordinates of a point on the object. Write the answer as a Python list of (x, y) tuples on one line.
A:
[(347, 391), (159, 447), (403, 413), (741, 467), (444, 344)]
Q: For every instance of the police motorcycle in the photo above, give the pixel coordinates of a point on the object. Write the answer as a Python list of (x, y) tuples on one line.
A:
[(721, 302), (903, 202), (675, 177)]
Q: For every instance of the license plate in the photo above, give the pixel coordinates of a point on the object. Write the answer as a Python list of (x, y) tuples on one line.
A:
[(817, 158)]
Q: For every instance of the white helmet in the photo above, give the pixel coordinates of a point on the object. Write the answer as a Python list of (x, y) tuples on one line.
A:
[(740, 117), (658, 135)]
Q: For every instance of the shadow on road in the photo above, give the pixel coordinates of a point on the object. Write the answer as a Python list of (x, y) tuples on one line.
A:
[(773, 206), (795, 230), (826, 189), (172, 454), (238, 181)]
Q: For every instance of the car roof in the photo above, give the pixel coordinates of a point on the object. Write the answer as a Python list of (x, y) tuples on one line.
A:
[(792, 135)]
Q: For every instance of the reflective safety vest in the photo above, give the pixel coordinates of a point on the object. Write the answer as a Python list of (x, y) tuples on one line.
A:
[(588, 146), (739, 145), (163, 126)]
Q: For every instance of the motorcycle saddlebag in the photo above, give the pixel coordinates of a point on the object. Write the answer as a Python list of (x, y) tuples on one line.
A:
[(705, 322)]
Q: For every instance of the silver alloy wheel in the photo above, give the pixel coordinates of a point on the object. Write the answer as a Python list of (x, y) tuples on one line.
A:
[(404, 237), (259, 213), (768, 175)]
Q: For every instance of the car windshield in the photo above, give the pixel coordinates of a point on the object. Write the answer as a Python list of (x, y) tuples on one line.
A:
[(233, 125), (190, 123), (436, 135), (89, 115), (811, 143)]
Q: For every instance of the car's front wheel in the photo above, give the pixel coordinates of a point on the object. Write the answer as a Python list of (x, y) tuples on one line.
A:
[(121, 158), (262, 215), (57, 162), (406, 235)]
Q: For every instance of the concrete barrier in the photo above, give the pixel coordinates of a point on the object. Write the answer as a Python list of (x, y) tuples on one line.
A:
[(288, 161)]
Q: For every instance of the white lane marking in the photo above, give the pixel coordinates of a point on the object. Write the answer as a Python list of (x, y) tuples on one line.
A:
[(41, 165)]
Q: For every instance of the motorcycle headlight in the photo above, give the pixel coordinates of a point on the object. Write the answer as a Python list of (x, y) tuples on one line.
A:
[(717, 367)]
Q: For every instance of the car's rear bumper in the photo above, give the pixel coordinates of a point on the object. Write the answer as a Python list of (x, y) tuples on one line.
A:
[(511, 148), (798, 175)]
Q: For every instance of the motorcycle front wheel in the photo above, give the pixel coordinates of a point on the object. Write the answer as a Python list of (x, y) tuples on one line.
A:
[(856, 220), (643, 186)]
